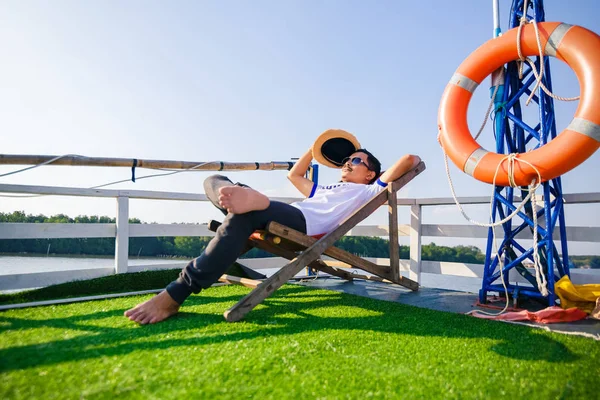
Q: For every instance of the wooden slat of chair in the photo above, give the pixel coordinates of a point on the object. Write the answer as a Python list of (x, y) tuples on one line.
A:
[(314, 251), (342, 266), (340, 273), (251, 283), (306, 241), (286, 251)]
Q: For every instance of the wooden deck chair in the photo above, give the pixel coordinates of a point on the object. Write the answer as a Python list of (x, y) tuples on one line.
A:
[(305, 251), (240, 274)]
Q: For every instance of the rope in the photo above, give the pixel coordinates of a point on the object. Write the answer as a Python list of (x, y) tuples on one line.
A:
[(522, 59), (98, 186), (153, 175), (511, 157), (489, 110), (540, 279), (32, 167), (39, 165)]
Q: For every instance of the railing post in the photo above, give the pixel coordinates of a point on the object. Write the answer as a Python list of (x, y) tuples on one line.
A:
[(122, 237), (393, 227), (415, 243)]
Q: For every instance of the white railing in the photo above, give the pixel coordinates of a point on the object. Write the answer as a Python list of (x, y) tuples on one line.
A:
[(122, 231)]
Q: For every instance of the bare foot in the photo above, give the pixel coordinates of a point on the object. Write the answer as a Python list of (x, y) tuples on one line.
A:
[(156, 309), (240, 200)]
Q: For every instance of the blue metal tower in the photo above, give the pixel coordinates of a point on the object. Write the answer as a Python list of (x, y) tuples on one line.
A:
[(514, 135)]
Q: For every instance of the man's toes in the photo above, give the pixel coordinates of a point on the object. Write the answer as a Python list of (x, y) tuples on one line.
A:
[(225, 202), (226, 190), (137, 315), (131, 311)]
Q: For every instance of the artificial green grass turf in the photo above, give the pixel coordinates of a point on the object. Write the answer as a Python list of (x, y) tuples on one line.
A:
[(120, 283), (301, 343)]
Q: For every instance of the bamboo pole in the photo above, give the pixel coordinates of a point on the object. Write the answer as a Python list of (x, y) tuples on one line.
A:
[(25, 159)]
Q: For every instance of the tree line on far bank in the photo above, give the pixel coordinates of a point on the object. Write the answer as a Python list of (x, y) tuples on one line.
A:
[(189, 247)]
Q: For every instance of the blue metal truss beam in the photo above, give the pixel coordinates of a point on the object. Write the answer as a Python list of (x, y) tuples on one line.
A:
[(517, 138)]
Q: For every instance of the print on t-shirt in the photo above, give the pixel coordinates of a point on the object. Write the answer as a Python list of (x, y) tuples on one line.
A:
[(327, 206)]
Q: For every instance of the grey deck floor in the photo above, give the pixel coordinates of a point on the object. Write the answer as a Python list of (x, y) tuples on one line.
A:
[(442, 300)]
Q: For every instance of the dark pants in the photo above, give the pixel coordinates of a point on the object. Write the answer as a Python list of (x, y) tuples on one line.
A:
[(229, 241)]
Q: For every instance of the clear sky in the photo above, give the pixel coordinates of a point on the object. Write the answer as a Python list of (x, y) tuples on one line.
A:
[(245, 81)]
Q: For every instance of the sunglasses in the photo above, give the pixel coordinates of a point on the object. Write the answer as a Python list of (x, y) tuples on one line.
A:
[(355, 161)]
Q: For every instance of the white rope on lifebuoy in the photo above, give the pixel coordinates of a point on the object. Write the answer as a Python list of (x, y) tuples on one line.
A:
[(522, 59)]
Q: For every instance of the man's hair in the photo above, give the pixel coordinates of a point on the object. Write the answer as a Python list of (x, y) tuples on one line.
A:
[(374, 164)]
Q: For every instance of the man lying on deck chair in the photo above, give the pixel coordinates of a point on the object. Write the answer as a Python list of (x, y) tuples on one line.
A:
[(248, 210)]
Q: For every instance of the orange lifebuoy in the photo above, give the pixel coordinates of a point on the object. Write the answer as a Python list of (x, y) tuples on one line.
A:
[(576, 46)]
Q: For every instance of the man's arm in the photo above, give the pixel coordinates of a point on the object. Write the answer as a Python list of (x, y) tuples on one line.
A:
[(402, 166), (296, 174)]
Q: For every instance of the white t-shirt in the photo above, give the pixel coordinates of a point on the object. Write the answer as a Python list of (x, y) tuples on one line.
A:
[(327, 206)]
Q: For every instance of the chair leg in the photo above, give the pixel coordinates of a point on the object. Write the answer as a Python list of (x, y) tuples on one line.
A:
[(321, 266), (270, 285), (281, 251)]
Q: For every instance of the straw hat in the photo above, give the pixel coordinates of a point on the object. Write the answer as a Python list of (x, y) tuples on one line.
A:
[(333, 146)]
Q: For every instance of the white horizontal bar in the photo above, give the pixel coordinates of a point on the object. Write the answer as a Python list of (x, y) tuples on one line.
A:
[(572, 198), (581, 198), (452, 268), (377, 230), (53, 231), (155, 230), (574, 233), (42, 279), (444, 201), (133, 194), (584, 276)]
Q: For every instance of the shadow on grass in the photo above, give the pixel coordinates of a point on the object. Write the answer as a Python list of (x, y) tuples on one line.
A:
[(273, 318)]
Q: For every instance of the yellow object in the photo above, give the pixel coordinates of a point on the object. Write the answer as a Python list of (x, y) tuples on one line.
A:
[(580, 296), (276, 240)]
